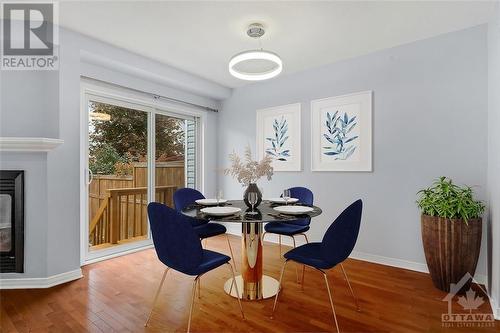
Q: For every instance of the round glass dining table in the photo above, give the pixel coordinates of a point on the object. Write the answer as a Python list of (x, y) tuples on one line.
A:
[(252, 283)]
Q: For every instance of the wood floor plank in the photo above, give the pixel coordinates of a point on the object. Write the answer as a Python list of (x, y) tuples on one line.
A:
[(116, 296)]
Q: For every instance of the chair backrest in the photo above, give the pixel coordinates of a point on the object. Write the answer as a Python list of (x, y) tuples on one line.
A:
[(340, 238), (176, 243), (305, 196), (186, 196)]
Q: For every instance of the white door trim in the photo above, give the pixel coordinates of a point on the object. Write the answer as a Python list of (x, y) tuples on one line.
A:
[(101, 92)]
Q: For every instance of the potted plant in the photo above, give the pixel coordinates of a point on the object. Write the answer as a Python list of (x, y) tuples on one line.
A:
[(248, 172), (451, 231)]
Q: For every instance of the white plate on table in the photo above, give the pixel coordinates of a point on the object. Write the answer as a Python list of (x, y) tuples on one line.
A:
[(210, 202), (221, 211), (282, 201), (293, 210)]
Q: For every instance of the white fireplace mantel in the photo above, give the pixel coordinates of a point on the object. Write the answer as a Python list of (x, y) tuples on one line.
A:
[(28, 144)]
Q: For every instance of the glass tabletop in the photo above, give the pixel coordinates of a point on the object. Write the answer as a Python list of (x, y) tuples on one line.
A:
[(265, 212)]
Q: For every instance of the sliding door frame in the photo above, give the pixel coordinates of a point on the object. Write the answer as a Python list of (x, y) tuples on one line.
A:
[(105, 93)]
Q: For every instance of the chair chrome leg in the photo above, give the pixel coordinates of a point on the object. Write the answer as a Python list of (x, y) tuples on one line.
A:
[(296, 271), (262, 238), (331, 301), (203, 246), (237, 291), (350, 288), (305, 236), (303, 273), (304, 267), (156, 295), (199, 288), (196, 280), (279, 289), (231, 250), (280, 244)]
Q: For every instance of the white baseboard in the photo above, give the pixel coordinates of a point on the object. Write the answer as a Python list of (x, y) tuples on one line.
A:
[(394, 262), (29, 283), (400, 263), (117, 254)]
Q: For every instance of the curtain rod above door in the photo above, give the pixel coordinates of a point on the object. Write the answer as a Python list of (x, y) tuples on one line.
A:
[(158, 97), (206, 108)]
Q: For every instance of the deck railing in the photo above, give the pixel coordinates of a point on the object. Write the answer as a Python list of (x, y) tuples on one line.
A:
[(122, 214)]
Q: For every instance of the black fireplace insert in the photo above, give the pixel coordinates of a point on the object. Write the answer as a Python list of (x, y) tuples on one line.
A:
[(11, 221)]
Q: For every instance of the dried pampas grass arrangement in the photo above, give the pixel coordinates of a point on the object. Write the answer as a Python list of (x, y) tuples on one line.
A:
[(249, 170)]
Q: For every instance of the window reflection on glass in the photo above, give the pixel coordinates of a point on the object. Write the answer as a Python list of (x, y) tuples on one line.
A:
[(170, 145), (118, 155)]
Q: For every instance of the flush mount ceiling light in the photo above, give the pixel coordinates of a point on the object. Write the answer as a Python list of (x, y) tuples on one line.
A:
[(255, 65)]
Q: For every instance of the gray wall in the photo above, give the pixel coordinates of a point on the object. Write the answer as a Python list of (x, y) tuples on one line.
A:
[(494, 159), (426, 95), (430, 119), (35, 232), (47, 104), (29, 102), (29, 105)]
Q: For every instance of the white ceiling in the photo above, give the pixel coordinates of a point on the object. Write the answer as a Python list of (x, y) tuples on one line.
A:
[(201, 37)]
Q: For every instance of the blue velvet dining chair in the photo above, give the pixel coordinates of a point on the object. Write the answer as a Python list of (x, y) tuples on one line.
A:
[(204, 228), (179, 248), (337, 244), (292, 228), (186, 196)]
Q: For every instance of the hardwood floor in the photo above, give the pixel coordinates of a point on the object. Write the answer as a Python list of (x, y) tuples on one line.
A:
[(116, 295)]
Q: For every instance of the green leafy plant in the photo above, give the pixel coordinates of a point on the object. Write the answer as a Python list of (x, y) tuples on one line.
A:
[(445, 199), (104, 158)]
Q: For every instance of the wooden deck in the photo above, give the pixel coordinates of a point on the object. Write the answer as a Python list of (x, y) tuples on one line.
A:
[(116, 295), (117, 204)]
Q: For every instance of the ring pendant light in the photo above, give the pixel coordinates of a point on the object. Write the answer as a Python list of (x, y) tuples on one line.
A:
[(273, 65)]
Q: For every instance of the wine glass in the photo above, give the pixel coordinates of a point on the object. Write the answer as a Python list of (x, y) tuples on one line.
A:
[(286, 196), (252, 199), (220, 195)]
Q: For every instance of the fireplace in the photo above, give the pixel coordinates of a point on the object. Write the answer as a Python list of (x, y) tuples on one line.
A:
[(11, 221)]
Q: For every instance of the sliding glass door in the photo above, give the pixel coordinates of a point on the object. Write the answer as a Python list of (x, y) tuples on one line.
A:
[(125, 142), (117, 162), (175, 156)]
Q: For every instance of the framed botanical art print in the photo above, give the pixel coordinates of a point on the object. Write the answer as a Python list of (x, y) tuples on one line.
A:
[(341, 133), (278, 135)]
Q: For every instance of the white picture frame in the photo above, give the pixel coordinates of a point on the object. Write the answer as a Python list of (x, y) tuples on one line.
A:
[(341, 133), (279, 135)]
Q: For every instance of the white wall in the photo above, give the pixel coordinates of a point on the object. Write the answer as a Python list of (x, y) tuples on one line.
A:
[(430, 119), (494, 160), (33, 113), (48, 104), (29, 107), (426, 96), (35, 202)]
